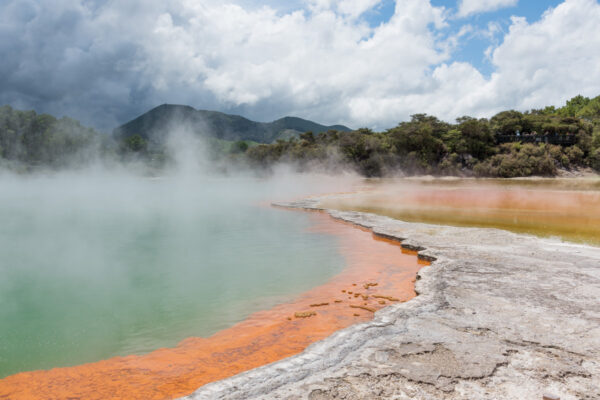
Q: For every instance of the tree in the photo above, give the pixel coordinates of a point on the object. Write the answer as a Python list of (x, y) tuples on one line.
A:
[(595, 160), (420, 140), (507, 122), (479, 141), (239, 147), (455, 142), (308, 136), (591, 110), (573, 106), (135, 143)]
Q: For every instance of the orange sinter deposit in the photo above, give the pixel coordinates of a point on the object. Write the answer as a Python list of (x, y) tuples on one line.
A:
[(378, 272)]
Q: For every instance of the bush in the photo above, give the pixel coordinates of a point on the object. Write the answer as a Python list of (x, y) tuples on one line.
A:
[(575, 155), (518, 160), (239, 147), (135, 143), (595, 160)]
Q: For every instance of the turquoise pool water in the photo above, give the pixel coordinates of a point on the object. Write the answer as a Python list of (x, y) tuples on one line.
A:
[(95, 266)]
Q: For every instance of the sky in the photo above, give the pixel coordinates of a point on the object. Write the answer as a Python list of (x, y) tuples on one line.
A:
[(362, 63)]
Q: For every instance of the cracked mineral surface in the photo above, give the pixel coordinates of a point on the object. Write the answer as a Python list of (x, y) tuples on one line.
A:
[(498, 316)]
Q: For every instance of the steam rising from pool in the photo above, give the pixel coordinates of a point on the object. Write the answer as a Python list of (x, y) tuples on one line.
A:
[(100, 262)]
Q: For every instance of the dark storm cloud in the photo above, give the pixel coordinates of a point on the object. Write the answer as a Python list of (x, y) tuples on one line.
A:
[(85, 60), (61, 59), (105, 62)]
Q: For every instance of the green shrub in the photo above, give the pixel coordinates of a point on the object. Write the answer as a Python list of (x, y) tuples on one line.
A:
[(595, 160), (575, 155)]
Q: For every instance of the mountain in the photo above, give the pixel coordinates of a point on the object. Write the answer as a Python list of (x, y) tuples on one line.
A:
[(158, 122)]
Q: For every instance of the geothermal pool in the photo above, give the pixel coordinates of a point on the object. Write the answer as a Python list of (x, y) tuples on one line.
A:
[(568, 209), (99, 266), (178, 281), (150, 288)]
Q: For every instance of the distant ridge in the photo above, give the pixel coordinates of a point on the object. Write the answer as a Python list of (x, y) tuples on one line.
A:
[(155, 124)]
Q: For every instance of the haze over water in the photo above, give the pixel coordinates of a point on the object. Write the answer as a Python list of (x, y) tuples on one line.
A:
[(97, 265)]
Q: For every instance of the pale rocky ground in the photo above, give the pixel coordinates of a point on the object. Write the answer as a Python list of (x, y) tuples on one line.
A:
[(498, 316), (578, 173)]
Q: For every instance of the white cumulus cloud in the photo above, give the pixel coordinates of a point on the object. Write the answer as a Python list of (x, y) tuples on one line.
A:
[(551, 60), (107, 61), (469, 7)]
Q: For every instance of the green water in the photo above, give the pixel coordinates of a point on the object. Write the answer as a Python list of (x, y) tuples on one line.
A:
[(94, 267)]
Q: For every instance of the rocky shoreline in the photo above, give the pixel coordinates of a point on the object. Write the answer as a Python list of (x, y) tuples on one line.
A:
[(498, 316)]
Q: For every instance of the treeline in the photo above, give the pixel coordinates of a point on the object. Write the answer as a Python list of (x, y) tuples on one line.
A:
[(29, 140), (510, 144), (469, 147)]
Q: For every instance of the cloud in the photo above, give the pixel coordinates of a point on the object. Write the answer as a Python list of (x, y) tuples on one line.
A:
[(550, 60), (470, 7), (538, 64), (105, 62), (349, 8), (101, 61)]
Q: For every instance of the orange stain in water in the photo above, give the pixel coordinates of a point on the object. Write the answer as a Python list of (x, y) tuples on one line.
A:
[(571, 214), (262, 338)]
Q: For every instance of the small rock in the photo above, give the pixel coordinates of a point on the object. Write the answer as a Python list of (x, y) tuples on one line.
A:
[(548, 396)]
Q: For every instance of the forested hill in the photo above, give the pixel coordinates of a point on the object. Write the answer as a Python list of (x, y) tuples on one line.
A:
[(30, 140), (509, 144), (155, 125)]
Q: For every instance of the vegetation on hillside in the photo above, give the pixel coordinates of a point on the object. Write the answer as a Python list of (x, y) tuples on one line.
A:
[(154, 126), (510, 144), (427, 145), (29, 140)]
